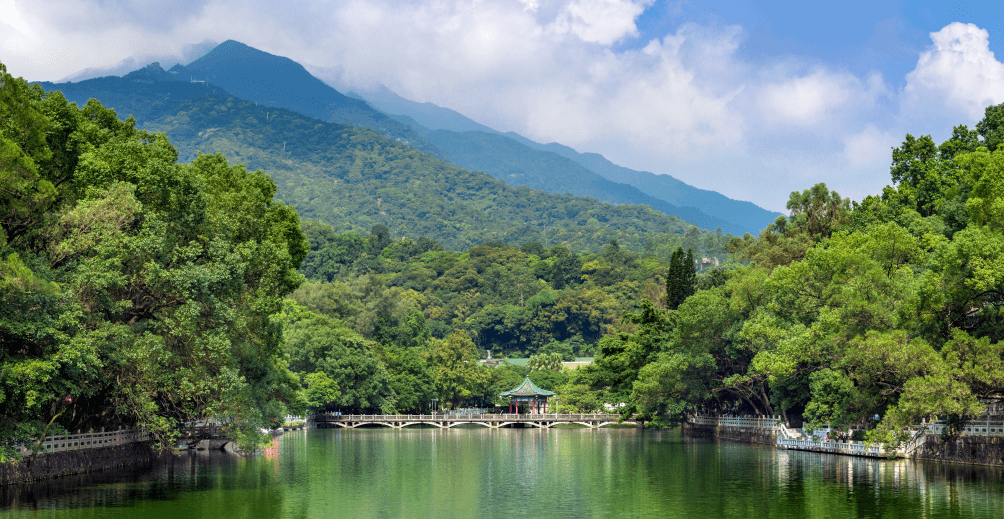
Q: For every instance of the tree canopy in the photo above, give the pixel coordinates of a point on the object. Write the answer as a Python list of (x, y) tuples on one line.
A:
[(887, 308), (136, 290)]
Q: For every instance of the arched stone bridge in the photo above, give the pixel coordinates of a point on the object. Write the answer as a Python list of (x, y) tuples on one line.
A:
[(445, 421)]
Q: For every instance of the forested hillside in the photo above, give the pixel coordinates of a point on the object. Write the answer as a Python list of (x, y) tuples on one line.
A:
[(352, 178), (519, 165), (873, 315), (521, 161), (249, 73), (136, 290)]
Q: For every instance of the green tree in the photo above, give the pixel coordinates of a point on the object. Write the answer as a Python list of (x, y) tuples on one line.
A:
[(320, 391), (544, 361), (148, 286), (321, 344), (456, 374), (680, 279)]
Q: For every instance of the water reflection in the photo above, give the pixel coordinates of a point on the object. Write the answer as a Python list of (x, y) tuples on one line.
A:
[(516, 472)]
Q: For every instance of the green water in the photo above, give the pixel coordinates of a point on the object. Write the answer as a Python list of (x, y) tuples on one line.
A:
[(471, 473)]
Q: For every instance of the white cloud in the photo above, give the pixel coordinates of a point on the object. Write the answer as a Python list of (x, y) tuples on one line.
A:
[(958, 73), (600, 21), (530, 5), (11, 16), (806, 100), (870, 147)]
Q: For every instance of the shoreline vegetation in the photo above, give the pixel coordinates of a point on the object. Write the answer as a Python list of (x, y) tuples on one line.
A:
[(143, 292)]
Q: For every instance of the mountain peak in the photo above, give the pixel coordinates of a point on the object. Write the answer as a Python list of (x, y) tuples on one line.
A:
[(231, 50), (233, 44), (153, 72)]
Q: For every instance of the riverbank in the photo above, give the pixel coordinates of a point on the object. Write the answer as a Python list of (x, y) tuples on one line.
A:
[(755, 435), (65, 463), (83, 453), (969, 449), (977, 450)]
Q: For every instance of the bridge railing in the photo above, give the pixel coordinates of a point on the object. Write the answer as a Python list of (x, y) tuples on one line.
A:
[(752, 422), (332, 417), (90, 440)]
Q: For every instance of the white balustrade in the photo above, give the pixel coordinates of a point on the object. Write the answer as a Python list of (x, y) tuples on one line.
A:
[(786, 438), (90, 440)]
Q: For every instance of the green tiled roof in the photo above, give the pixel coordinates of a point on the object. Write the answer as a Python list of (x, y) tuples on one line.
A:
[(528, 388)]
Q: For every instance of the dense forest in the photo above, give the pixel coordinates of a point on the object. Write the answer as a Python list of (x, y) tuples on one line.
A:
[(352, 178), (418, 317), (868, 315), (873, 314), (135, 290)]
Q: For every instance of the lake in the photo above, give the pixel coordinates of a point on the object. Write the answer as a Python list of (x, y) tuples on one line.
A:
[(473, 473)]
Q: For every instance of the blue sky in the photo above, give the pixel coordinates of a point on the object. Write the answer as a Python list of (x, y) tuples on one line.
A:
[(858, 35), (751, 99)]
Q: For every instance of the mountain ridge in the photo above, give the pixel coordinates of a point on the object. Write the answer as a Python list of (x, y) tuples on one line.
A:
[(354, 178), (248, 73), (238, 67), (712, 204), (516, 164)]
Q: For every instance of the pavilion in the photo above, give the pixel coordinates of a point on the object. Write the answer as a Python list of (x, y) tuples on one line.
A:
[(529, 395)]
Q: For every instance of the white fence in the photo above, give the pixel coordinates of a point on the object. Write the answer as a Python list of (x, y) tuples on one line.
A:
[(849, 448), (990, 426), (92, 440), (804, 440), (751, 422)]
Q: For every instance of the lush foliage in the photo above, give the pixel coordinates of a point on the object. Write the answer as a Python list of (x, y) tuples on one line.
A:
[(352, 178), (135, 290), (427, 315), (514, 301), (872, 315)]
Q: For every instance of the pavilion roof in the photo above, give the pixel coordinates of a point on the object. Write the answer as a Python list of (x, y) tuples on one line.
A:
[(527, 388)]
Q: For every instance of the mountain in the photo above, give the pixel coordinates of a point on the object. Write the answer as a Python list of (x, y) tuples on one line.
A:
[(507, 158), (127, 65), (258, 76), (354, 178), (431, 116), (145, 94), (520, 165), (666, 187), (693, 204)]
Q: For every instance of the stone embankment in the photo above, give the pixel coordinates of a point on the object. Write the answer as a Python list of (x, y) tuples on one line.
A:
[(80, 461), (739, 429), (981, 450), (82, 453)]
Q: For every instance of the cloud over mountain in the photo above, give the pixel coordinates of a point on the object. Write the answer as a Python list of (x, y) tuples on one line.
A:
[(689, 102)]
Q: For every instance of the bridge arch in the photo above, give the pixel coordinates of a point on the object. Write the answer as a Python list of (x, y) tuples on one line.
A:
[(454, 424)]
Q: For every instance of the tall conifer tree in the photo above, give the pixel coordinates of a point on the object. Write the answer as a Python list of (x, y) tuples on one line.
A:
[(681, 278)]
